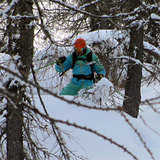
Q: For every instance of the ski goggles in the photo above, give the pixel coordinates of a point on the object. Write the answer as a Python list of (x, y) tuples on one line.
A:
[(79, 49)]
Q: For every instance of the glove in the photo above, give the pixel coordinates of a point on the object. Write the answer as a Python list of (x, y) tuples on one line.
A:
[(99, 76), (60, 60)]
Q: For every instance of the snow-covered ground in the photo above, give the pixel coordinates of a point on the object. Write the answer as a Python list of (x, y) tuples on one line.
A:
[(112, 125)]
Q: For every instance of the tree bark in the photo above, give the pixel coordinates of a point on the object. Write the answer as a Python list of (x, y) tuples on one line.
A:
[(20, 38), (101, 8), (134, 74)]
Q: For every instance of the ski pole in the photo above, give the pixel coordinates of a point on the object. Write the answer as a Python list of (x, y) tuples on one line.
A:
[(45, 66)]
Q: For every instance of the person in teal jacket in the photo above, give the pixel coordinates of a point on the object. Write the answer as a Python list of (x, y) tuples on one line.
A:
[(83, 63)]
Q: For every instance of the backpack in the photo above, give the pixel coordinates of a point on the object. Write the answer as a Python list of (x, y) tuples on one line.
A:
[(89, 59), (75, 58)]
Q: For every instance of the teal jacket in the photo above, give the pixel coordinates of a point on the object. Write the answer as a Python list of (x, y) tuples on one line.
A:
[(82, 67)]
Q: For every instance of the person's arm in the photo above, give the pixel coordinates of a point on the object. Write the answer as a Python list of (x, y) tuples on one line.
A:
[(63, 64)]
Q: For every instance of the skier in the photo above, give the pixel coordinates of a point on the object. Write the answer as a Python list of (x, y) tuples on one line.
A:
[(83, 64)]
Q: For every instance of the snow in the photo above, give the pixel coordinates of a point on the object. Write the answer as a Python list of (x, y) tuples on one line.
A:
[(102, 89), (139, 136), (136, 135), (91, 3), (102, 35), (152, 48), (98, 36), (155, 16), (8, 8), (112, 125)]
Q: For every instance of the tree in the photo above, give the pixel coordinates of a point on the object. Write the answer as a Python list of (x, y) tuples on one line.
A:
[(100, 8), (134, 74), (20, 43), (136, 47), (21, 117)]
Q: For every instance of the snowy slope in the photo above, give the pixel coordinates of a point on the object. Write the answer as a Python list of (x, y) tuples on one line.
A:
[(112, 125)]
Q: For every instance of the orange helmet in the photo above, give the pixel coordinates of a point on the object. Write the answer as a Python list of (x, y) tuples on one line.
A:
[(80, 43)]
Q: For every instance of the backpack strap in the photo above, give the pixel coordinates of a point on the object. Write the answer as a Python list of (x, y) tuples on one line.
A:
[(74, 59), (89, 59)]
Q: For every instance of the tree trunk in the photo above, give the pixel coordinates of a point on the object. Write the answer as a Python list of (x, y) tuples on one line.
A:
[(101, 8), (152, 35), (20, 38), (133, 82), (14, 132)]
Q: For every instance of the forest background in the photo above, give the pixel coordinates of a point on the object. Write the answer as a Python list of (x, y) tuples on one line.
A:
[(125, 35)]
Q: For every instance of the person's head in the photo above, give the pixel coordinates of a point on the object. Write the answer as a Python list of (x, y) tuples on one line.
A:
[(80, 46)]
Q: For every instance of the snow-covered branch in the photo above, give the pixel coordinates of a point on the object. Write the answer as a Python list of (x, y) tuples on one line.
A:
[(4, 13), (152, 49), (83, 128), (55, 95), (89, 4), (137, 62), (74, 8)]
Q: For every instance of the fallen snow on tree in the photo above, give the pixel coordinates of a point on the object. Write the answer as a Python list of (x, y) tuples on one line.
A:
[(97, 94)]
